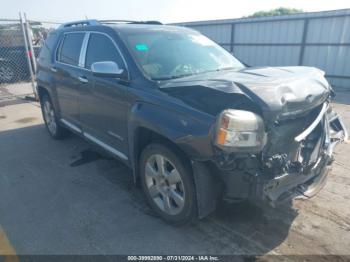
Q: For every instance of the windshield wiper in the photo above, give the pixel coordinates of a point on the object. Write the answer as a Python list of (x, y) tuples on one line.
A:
[(197, 73), (171, 77), (226, 68)]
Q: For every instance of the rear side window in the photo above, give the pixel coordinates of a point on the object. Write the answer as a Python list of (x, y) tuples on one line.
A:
[(101, 48), (69, 52)]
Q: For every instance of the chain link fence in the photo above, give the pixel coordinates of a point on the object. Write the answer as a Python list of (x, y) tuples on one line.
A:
[(20, 43), (14, 66)]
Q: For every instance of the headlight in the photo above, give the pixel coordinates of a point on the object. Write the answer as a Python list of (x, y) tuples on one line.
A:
[(240, 131)]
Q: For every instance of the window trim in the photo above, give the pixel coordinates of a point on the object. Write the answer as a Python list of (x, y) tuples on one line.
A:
[(59, 47), (115, 45), (83, 50)]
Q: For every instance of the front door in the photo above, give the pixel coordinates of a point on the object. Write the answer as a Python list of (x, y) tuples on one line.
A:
[(103, 102)]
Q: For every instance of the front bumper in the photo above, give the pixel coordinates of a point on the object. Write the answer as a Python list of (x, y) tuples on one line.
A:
[(253, 184), (292, 185), (260, 188)]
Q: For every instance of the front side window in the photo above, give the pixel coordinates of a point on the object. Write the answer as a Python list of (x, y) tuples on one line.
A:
[(69, 52), (100, 48), (172, 53)]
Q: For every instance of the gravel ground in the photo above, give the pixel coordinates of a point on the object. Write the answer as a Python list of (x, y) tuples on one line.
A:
[(59, 197)]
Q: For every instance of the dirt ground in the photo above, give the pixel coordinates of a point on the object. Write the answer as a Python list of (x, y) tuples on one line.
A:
[(59, 197)]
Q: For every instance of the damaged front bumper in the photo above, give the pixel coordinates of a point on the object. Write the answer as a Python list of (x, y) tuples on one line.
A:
[(293, 185), (310, 181), (243, 178)]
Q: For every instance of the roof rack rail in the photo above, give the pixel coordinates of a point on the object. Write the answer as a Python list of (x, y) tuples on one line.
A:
[(129, 22), (114, 21), (148, 22), (99, 22), (79, 23)]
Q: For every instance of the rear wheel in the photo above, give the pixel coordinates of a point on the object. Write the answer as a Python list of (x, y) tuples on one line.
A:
[(56, 130), (168, 185)]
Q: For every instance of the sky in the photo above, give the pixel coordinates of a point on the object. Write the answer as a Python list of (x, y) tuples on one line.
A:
[(166, 11)]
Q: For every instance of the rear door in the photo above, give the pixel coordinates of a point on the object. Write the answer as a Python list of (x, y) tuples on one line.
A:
[(103, 103), (68, 71)]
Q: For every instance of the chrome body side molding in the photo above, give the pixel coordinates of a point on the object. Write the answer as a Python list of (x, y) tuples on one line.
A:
[(115, 135), (71, 126), (105, 146), (95, 140)]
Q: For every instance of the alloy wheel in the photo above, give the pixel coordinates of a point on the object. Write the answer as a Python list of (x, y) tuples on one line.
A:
[(49, 116), (164, 184)]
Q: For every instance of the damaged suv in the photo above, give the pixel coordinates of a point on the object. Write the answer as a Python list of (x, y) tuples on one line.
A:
[(194, 124)]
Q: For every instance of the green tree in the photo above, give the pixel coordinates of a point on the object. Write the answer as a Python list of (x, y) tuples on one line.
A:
[(277, 11)]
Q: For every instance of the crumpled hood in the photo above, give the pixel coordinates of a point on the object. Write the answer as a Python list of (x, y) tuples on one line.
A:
[(280, 92)]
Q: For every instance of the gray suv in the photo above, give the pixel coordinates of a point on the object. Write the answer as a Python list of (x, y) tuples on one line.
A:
[(193, 123)]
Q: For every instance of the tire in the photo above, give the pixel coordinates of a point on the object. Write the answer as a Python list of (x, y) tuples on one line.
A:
[(7, 73), (53, 126), (170, 190)]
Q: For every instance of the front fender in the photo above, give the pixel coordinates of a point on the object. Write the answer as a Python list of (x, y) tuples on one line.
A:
[(192, 136)]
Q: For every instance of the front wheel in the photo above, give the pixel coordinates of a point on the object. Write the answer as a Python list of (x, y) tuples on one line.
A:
[(168, 184)]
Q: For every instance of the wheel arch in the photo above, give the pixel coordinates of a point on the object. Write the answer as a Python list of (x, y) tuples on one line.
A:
[(207, 186), (42, 90), (144, 136)]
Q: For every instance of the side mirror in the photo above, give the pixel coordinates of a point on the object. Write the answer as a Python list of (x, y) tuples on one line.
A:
[(107, 69)]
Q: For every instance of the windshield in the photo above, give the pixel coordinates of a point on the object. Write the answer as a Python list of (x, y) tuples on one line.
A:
[(166, 54)]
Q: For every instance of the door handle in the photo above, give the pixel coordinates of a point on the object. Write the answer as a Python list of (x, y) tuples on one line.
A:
[(83, 79), (53, 69)]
